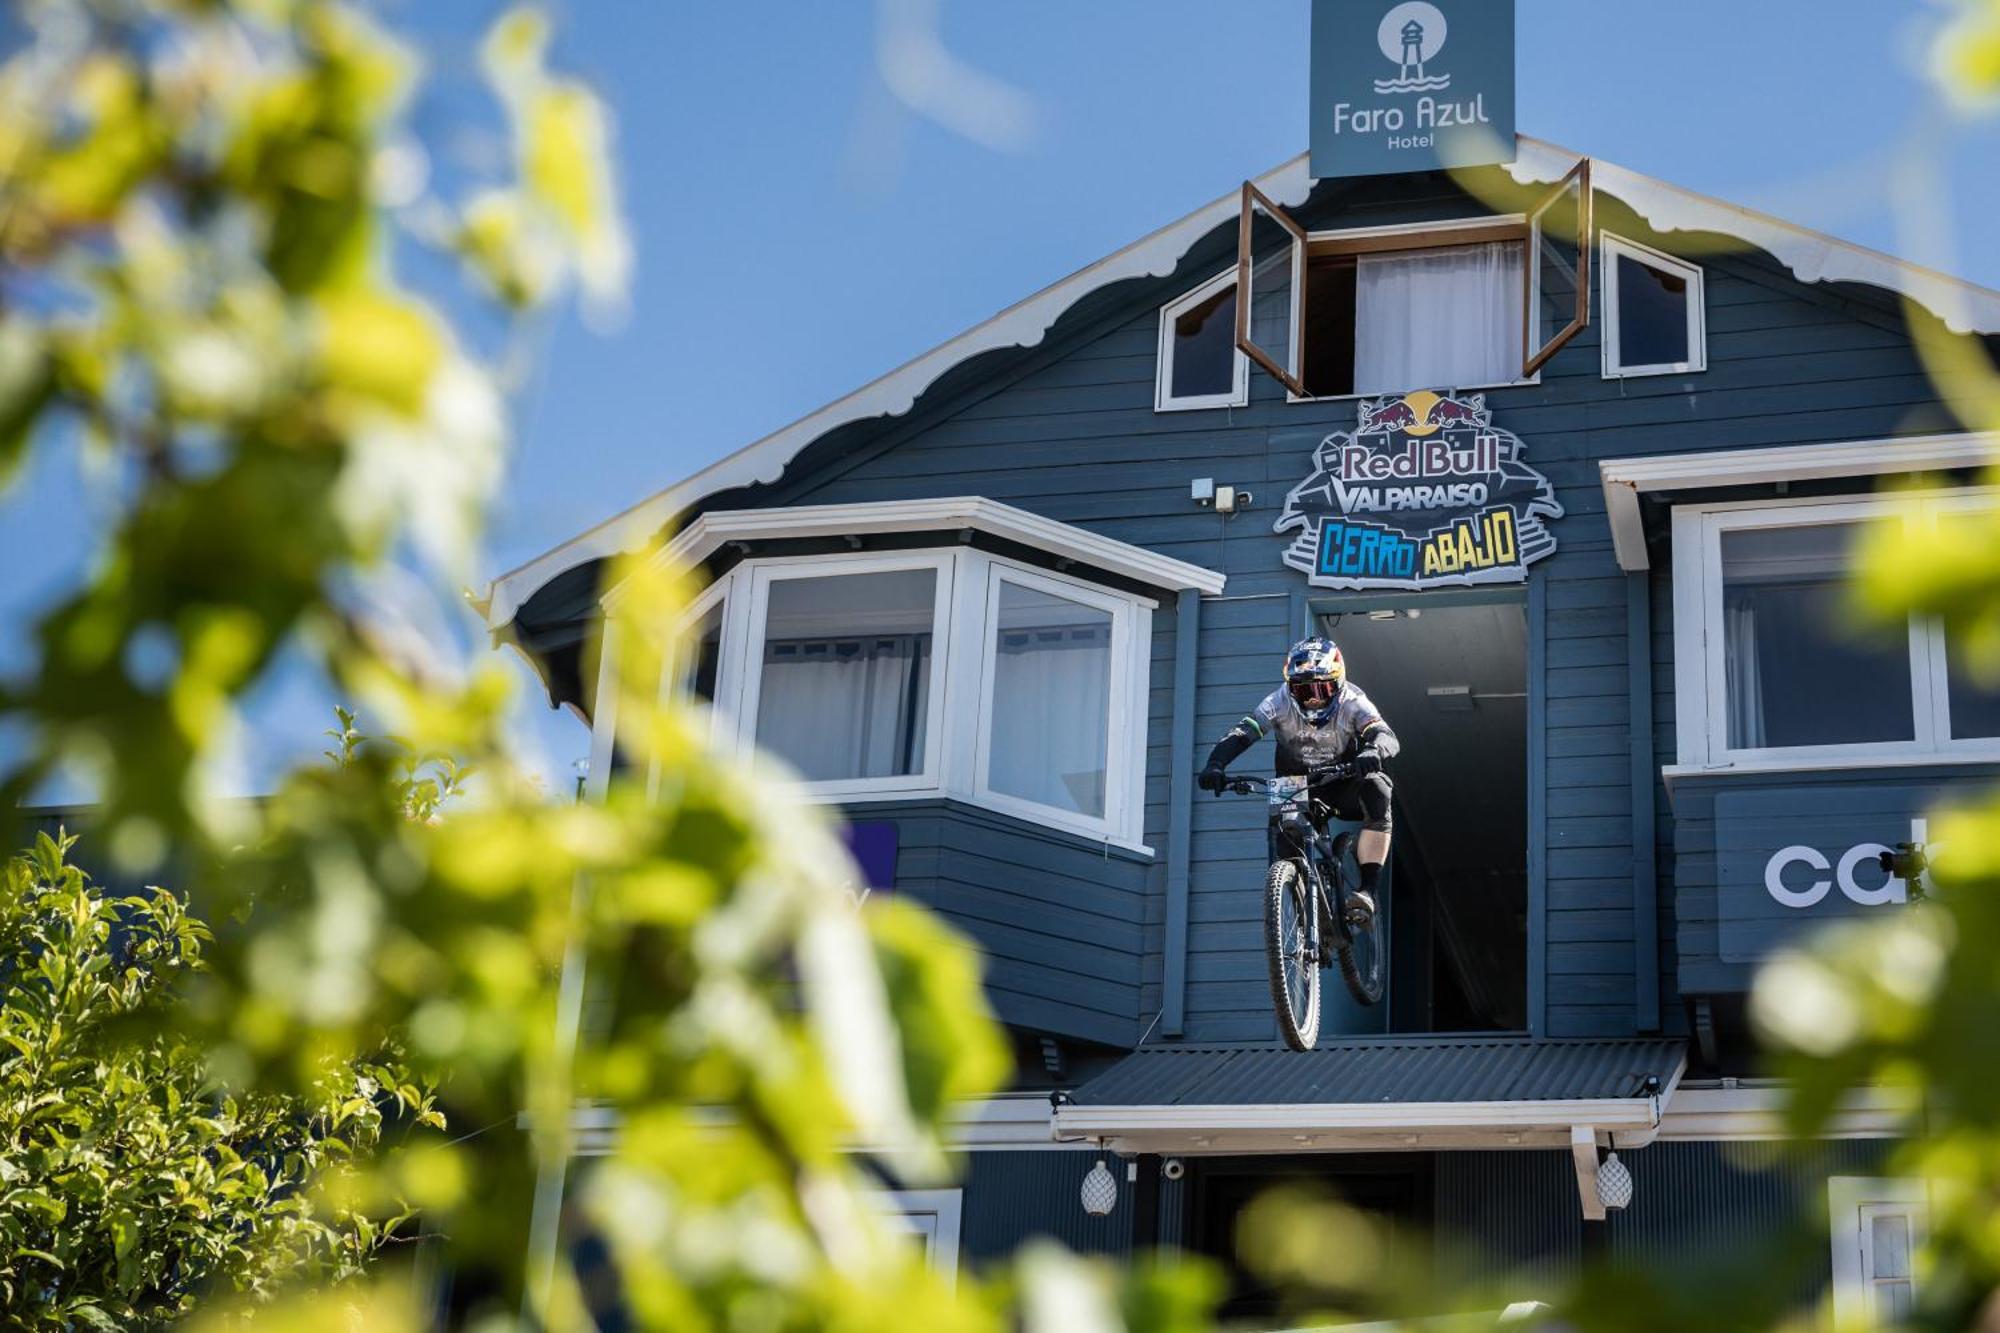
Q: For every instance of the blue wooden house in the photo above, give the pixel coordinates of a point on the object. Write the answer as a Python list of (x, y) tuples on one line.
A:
[(1569, 462)]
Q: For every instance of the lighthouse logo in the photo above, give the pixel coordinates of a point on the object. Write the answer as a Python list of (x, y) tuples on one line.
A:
[(1411, 35)]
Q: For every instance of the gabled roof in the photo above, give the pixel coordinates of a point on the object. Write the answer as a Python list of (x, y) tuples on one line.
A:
[(1811, 256)]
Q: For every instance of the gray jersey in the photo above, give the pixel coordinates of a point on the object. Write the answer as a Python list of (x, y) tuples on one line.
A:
[(1356, 722)]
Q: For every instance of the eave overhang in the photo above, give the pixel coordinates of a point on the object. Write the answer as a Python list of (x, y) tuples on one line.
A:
[(963, 513), (1626, 479)]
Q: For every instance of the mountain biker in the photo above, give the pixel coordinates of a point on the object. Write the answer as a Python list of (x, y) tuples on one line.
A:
[(1317, 718)]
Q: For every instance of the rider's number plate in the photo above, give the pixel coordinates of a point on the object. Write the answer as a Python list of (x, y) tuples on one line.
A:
[(1286, 791)]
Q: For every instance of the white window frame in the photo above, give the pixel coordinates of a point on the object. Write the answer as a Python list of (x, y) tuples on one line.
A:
[(1852, 1203), (1163, 384), (749, 681), (1700, 679), (935, 1217), (956, 741), (1123, 763), (1613, 248)]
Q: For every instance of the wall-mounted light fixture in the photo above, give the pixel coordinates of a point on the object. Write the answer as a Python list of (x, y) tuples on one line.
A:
[(1100, 1191)]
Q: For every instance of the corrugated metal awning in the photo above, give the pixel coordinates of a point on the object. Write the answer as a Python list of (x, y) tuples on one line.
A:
[(1388, 1092)]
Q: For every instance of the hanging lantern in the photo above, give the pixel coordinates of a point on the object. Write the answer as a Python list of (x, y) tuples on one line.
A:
[(1614, 1182), (1100, 1191)]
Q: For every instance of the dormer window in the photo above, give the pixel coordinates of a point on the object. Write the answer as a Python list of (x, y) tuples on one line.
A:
[(1199, 364), (1654, 323)]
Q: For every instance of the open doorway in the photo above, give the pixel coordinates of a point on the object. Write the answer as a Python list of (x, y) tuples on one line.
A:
[(1451, 676)]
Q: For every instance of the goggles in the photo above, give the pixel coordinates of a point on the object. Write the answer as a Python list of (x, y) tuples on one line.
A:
[(1312, 693)]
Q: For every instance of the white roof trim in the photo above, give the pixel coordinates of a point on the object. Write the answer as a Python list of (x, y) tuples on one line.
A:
[(1965, 307), (1626, 479), (712, 530), (1811, 256), (1021, 325)]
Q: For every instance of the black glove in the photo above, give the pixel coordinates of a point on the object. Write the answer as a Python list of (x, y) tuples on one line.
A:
[(1213, 779), (1366, 760)]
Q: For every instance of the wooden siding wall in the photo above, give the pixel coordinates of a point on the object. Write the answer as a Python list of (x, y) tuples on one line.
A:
[(1071, 433), (1061, 923)]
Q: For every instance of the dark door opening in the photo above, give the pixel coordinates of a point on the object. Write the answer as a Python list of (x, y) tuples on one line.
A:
[(1452, 680), (1396, 1187)]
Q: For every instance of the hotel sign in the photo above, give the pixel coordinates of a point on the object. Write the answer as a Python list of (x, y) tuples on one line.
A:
[(1411, 86), (1424, 492)]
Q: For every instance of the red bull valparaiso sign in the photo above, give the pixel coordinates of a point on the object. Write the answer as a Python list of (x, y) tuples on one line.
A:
[(1424, 492)]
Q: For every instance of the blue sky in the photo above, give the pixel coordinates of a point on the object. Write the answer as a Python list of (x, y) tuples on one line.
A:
[(799, 231)]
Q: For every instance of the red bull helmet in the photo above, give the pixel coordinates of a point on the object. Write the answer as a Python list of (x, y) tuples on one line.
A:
[(1314, 673)]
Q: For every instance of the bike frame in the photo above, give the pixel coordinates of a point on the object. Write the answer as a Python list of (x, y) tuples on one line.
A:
[(1299, 834)]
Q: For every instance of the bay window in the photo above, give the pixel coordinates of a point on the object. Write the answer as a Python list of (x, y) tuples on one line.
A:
[(1775, 663), (951, 673)]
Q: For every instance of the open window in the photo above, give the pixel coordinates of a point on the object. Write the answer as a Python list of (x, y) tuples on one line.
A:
[(1271, 287), (1557, 307), (1385, 310), (1654, 322)]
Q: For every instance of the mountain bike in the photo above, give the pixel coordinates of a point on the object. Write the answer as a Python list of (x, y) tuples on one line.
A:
[(1310, 911)]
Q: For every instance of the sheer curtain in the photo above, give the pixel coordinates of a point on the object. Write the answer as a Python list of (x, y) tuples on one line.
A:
[(1051, 701), (845, 678), (845, 708), (1743, 683), (1444, 318)]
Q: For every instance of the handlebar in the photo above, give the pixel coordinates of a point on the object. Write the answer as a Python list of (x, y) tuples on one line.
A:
[(1318, 777)]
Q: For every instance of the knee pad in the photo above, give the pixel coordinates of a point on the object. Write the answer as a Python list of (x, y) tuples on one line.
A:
[(1376, 793)]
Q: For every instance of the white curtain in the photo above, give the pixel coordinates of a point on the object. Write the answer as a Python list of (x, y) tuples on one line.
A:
[(1437, 319), (845, 708), (1743, 683), (1051, 702)]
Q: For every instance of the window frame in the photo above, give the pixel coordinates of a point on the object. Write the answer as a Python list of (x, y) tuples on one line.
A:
[(1119, 769), (956, 739), (1700, 678), (749, 683), (1852, 1202), (1614, 247), (1390, 239), (944, 1210), (1536, 355), (1164, 400)]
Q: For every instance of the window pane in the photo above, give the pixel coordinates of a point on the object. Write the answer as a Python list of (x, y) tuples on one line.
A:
[(1272, 287), (1051, 701), (704, 651), (1445, 318), (846, 674), (1205, 347), (1798, 669), (1973, 694), (1558, 241), (1889, 1245), (1652, 315)]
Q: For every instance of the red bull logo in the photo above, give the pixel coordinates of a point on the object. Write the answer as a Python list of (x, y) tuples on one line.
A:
[(1424, 491)]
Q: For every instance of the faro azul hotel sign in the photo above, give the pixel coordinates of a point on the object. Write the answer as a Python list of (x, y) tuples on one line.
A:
[(1411, 86)]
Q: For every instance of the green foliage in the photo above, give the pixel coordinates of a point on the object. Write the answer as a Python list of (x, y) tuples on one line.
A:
[(130, 1185), (201, 210)]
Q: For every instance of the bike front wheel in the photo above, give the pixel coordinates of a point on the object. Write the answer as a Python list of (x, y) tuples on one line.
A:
[(1358, 949), (1287, 944)]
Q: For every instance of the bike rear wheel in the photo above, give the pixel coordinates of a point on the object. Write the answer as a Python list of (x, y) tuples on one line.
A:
[(1287, 941), (1358, 950)]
